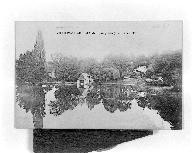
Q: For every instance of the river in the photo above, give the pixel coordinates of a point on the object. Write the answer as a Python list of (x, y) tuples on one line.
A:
[(97, 107)]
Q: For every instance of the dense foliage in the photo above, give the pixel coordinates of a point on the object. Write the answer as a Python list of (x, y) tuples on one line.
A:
[(113, 68), (29, 69), (169, 67)]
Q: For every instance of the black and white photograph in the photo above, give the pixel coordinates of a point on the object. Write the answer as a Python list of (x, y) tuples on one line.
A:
[(98, 74)]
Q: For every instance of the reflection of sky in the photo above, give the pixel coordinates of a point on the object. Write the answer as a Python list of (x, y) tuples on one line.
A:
[(22, 119), (149, 38)]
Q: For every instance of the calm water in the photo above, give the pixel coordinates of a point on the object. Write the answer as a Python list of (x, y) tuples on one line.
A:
[(97, 107)]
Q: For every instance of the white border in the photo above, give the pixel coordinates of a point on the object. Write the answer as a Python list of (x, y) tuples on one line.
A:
[(13, 140)]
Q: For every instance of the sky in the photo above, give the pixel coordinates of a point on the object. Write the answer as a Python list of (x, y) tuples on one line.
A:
[(126, 37)]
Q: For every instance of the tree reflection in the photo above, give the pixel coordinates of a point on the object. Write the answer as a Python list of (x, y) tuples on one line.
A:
[(32, 98), (113, 97), (117, 97), (169, 107), (67, 98), (123, 106), (110, 105), (93, 97), (168, 104)]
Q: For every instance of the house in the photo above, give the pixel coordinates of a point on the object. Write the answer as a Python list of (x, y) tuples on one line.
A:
[(141, 69), (50, 70), (84, 81)]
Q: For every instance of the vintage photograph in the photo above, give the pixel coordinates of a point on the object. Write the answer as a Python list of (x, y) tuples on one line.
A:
[(98, 75)]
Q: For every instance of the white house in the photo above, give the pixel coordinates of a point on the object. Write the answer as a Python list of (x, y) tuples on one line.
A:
[(142, 69), (84, 81)]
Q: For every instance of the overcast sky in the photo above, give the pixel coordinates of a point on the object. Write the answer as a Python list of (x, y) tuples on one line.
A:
[(148, 37)]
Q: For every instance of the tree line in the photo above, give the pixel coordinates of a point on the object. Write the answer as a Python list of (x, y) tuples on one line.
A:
[(112, 68)]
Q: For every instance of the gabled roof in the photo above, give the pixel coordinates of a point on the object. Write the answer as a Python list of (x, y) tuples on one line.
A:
[(83, 76)]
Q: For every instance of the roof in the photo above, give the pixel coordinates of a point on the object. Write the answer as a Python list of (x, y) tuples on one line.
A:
[(141, 69), (83, 76)]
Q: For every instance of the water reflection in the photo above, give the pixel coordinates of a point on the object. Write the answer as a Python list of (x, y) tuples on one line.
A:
[(113, 98), (93, 97), (32, 99), (117, 97)]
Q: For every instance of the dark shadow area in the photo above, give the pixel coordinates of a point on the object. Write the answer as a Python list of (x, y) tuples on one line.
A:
[(59, 140)]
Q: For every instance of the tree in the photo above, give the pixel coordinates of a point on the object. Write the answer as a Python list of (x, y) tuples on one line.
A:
[(110, 73), (168, 66), (29, 69), (119, 62), (67, 68)]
